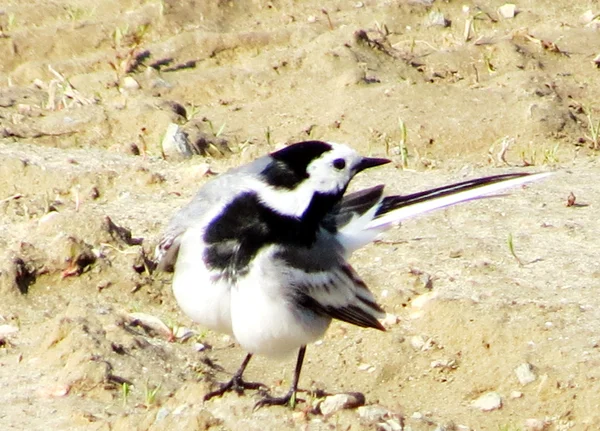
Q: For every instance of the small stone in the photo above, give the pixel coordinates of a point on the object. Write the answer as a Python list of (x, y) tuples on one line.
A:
[(436, 18), (525, 374), (176, 143), (535, 425), (419, 342), (391, 425), (444, 363), (151, 324), (417, 416), (390, 320), (337, 402), (181, 333), (57, 391), (366, 367), (516, 394), (507, 10), (372, 413), (488, 402), (6, 330), (596, 60), (129, 83), (199, 347)]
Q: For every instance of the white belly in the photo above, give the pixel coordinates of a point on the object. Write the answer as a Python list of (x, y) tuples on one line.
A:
[(263, 320), (202, 299)]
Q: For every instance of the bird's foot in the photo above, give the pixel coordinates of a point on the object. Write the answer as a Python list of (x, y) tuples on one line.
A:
[(288, 399), (236, 384)]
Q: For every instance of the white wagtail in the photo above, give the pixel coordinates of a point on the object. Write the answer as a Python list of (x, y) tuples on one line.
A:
[(261, 251)]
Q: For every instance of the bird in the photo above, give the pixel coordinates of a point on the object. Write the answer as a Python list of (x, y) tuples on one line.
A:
[(261, 251)]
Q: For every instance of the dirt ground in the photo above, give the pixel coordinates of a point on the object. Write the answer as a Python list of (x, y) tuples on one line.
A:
[(91, 340)]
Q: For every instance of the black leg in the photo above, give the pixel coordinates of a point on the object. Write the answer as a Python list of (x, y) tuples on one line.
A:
[(236, 383), (290, 397)]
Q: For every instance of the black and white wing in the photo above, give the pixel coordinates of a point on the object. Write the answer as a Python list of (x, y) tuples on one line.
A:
[(321, 281)]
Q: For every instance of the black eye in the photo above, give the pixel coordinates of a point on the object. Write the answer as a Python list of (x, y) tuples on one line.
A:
[(339, 164)]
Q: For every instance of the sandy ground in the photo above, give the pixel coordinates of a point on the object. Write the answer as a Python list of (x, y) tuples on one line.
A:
[(89, 339)]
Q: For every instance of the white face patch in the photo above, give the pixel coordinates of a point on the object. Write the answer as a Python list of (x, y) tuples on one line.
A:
[(332, 172), (328, 174)]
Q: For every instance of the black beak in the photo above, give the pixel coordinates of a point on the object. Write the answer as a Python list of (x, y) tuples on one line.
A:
[(370, 162)]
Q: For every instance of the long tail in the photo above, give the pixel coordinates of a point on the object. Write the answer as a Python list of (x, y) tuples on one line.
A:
[(393, 209)]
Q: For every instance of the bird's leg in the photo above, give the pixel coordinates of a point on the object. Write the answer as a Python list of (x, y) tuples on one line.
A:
[(236, 383), (290, 397)]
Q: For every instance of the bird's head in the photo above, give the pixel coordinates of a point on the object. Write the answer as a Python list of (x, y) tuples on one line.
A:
[(311, 168), (327, 167)]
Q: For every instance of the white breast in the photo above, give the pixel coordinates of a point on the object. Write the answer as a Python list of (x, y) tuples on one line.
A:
[(202, 299), (263, 320)]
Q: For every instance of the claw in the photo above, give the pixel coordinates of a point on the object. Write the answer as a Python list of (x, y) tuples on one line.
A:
[(235, 384), (288, 399)]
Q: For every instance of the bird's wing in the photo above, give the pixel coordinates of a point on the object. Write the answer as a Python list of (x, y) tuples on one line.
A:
[(319, 279), (353, 205)]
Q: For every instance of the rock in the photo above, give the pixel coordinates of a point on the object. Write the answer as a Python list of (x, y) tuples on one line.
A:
[(535, 425), (436, 18), (390, 425), (151, 324), (334, 403), (488, 402), (390, 320), (373, 413), (419, 342), (6, 330), (176, 144), (507, 11), (525, 374), (516, 394), (129, 83)]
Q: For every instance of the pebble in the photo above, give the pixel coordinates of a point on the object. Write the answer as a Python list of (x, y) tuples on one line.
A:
[(199, 347), (373, 413), (437, 18), (176, 143), (366, 367), (391, 425), (488, 402), (337, 402), (149, 322), (535, 425), (516, 394), (419, 342), (8, 330), (525, 374), (129, 83), (390, 320), (507, 10), (182, 333)]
